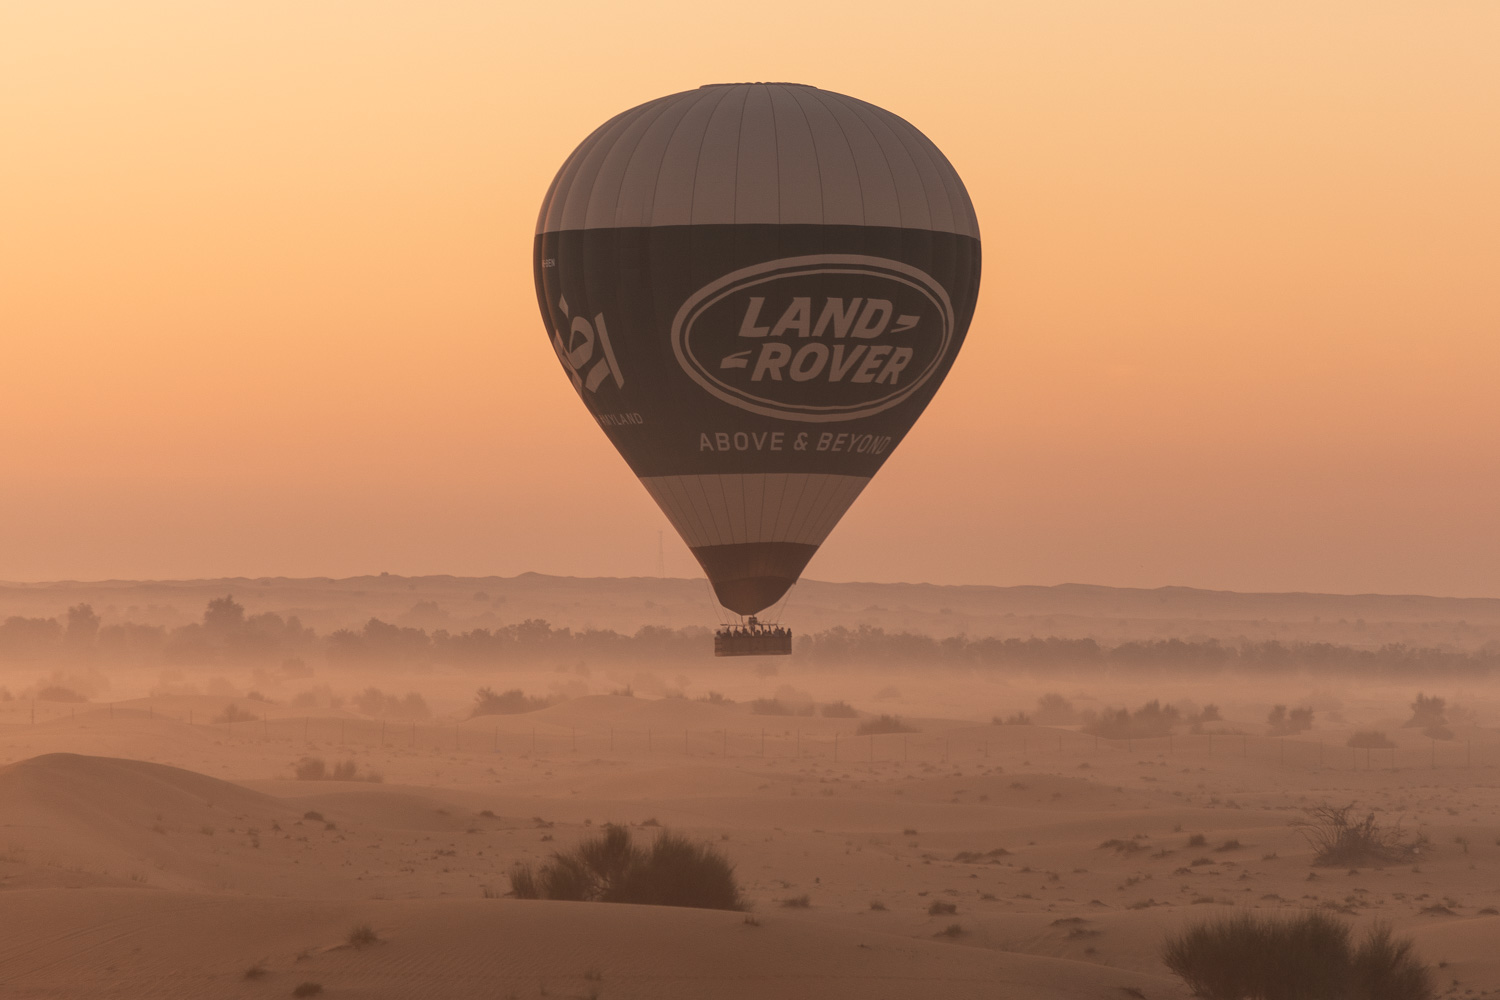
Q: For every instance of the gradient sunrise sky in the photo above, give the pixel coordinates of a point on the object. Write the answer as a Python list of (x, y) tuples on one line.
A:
[(266, 303)]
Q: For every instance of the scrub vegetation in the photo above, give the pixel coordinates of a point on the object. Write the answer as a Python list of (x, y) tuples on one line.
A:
[(611, 868)]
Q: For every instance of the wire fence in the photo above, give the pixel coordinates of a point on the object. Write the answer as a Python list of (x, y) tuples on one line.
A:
[(515, 735)]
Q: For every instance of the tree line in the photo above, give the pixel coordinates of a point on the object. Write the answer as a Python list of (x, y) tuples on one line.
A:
[(226, 634)]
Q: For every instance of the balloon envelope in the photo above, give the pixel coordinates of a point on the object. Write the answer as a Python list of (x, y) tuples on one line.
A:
[(756, 289)]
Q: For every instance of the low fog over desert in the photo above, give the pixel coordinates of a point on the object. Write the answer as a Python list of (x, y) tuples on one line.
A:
[(237, 787)]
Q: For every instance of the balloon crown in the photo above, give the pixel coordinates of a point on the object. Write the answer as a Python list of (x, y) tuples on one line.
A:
[(758, 83)]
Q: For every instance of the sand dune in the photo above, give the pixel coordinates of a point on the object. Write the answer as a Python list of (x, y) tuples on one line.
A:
[(131, 944), (990, 860)]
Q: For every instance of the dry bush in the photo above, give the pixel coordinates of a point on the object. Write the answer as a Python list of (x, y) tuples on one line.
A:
[(316, 769), (1052, 709), (1340, 841), (839, 710), (1370, 739), (883, 724), (1284, 723), (1308, 957), (373, 701), (939, 908), (512, 702), (233, 713), (770, 706), (307, 989), (362, 936), (1151, 719), (1427, 712), (611, 868)]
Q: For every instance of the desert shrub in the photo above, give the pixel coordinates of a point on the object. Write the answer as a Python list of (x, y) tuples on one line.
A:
[(256, 971), (56, 692), (373, 701), (883, 724), (1370, 739), (1151, 719), (348, 770), (1123, 846), (1017, 719), (307, 989), (769, 706), (1284, 723), (940, 908), (797, 902), (512, 702), (362, 936), (839, 710), (1210, 713), (1052, 709), (1427, 711), (612, 868), (1339, 840), (1308, 957), (233, 713), (311, 769)]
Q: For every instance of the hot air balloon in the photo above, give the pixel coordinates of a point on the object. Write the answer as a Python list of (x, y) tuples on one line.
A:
[(756, 288)]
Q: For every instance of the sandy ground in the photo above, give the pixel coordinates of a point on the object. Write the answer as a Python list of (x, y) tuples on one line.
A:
[(142, 855)]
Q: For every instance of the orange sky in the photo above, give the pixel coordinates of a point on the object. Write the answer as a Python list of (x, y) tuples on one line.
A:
[(266, 303)]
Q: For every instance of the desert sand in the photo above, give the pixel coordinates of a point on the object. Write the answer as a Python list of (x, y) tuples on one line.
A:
[(147, 850)]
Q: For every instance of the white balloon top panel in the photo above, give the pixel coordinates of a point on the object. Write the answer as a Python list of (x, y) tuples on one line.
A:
[(747, 153)]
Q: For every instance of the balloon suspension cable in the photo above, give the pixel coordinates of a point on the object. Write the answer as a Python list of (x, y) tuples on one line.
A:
[(779, 609), (716, 611)]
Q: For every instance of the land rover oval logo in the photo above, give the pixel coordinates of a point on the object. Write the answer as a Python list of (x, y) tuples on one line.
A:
[(819, 338)]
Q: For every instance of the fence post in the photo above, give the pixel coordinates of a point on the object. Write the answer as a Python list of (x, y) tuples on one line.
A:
[(762, 742), (835, 748)]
